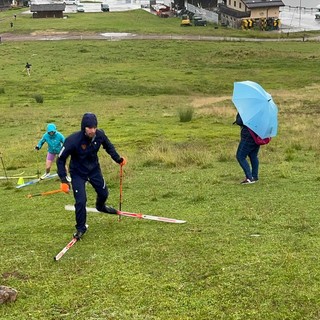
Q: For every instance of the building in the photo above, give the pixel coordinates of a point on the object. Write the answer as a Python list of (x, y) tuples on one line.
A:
[(47, 10), (247, 14), (5, 4)]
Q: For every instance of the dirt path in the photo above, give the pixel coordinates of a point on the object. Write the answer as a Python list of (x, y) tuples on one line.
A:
[(54, 36)]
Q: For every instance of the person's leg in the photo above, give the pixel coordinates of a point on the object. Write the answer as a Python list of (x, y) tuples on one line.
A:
[(241, 155), (50, 158), (253, 156), (49, 161), (80, 196), (99, 185)]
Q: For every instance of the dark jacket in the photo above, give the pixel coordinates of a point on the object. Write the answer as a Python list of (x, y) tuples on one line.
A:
[(84, 154), (245, 133)]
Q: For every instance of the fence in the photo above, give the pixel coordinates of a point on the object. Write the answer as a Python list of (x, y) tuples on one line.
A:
[(208, 15)]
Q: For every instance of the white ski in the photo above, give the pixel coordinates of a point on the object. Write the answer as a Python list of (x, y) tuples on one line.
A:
[(132, 215), (36, 181)]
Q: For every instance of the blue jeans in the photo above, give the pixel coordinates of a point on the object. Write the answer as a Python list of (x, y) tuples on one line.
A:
[(251, 150)]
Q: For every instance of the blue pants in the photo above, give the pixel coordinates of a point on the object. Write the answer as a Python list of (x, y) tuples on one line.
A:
[(251, 150), (80, 196)]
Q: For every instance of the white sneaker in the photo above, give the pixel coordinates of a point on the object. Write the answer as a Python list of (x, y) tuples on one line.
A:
[(68, 178), (247, 181), (46, 175)]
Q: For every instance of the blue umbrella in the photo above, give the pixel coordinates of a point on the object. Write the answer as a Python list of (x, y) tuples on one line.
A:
[(256, 108)]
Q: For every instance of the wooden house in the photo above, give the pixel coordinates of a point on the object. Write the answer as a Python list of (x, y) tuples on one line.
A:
[(47, 10), (247, 14)]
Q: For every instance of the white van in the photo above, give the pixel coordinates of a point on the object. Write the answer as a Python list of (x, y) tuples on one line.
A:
[(80, 8)]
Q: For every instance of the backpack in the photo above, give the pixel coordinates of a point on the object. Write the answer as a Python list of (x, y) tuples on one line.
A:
[(259, 141)]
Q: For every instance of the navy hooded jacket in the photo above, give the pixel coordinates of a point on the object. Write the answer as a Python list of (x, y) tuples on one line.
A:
[(245, 133), (84, 151)]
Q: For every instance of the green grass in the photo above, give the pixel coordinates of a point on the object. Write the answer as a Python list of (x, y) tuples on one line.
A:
[(134, 21), (246, 252)]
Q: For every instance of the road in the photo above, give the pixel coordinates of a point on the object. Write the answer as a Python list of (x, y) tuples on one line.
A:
[(55, 36)]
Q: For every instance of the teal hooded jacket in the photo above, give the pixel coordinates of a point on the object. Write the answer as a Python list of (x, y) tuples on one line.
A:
[(54, 141)]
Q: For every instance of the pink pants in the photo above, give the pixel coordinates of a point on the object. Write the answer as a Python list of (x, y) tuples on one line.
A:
[(51, 156)]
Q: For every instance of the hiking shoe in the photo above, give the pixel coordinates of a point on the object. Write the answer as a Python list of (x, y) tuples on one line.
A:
[(247, 181), (78, 235), (107, 209), (46, 175)]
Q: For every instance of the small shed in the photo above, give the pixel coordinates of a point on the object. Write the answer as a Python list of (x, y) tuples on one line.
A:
[(47, 10)]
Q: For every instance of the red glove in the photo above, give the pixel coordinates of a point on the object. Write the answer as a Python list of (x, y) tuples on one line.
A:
[(122, 162), (65, 187)]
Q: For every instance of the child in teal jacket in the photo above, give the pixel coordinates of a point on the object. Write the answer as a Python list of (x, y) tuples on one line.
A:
[(55, 140)]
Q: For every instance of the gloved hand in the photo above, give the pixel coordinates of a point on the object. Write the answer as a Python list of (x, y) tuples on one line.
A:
[(65, 185), (36, 148), (122, 162)]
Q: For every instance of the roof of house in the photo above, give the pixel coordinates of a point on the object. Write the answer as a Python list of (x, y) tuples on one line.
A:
[(47, 7), (252, 4)]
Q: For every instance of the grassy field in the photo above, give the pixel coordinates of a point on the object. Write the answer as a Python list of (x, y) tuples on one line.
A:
[(246, 252), (135, 21)]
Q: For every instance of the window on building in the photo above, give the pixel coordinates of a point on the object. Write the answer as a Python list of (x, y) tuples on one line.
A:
[(239, 5), (234, 3)]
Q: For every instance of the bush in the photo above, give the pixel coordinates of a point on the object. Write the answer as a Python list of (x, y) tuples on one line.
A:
[(38, 98), (1, 90), (186, 114)]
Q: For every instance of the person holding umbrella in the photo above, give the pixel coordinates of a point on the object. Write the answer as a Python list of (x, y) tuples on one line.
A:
[(247, 148), (258, 118)]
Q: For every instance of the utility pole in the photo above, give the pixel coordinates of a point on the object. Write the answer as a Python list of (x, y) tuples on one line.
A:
[(300, 14)]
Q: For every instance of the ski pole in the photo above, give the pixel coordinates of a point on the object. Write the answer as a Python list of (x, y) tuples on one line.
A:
[(64, 188), (4, 168), (38, 168), (120, 199), (44, 193)]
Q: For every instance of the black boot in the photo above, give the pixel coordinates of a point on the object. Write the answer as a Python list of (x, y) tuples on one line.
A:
[(78, 234), (106, 209)]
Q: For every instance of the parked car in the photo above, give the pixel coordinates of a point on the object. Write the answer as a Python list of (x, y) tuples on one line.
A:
[(105, 7), (70, 2), (199, 21), (80, 7)]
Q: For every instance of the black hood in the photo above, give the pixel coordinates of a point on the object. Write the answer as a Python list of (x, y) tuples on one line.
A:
[(89, 120)]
